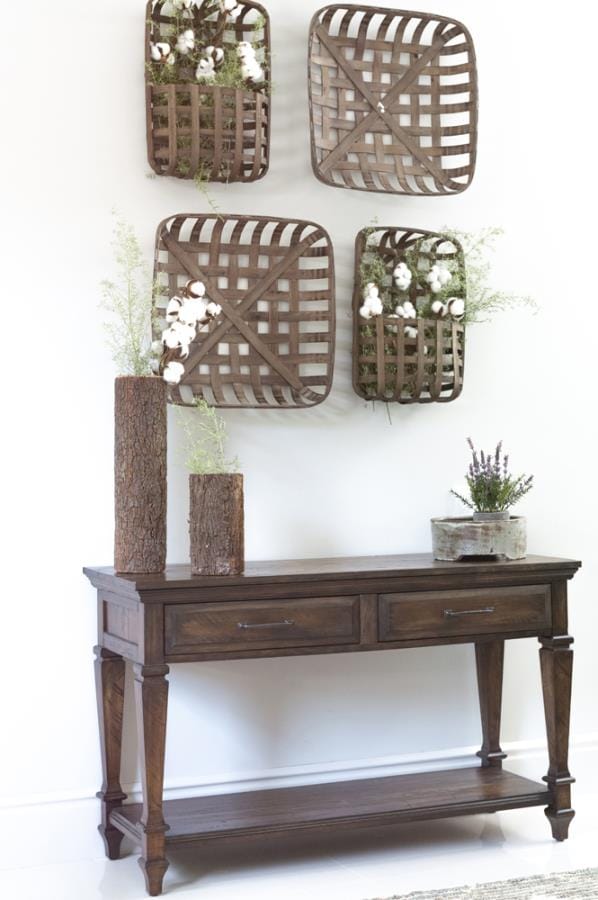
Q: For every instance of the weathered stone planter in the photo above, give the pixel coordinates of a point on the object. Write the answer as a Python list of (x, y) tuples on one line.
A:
[(454, 539)]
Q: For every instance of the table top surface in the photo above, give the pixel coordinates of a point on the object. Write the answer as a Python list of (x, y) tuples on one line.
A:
[(286, 570)]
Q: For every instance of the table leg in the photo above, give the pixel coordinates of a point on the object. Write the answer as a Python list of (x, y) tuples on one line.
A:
[(110, 690), (151, 697), (556, 661), (489, 663)]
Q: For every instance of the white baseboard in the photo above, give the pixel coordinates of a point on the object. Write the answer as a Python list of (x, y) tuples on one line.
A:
[(316, 773)]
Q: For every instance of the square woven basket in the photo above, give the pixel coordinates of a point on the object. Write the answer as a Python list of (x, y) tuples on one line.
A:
[(198, 129), (272, 346), (388, 363), (393, 101)]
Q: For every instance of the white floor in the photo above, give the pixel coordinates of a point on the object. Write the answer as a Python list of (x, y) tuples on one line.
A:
[(51, 853)]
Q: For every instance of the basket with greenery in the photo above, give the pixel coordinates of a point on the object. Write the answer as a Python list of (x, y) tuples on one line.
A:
[(415, 292), (208, 89)]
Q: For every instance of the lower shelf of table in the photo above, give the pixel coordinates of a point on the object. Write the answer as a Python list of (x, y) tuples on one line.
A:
[(372, 801)]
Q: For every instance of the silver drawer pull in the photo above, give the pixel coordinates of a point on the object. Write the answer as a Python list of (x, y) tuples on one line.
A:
[(265, 624), (453, 613)]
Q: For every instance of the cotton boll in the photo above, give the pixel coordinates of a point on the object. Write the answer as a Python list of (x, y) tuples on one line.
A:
[(444, 275), (246, 51), (205, 70), (216, 54), (192, 310), (195, 289), (438, 308), (409, 310), (402, 276), (365, 312), (253, 73), (173, 372), (172, 310), (213, 309), (410, 331), (375, 305), (178, 335), (371, 290), (456, 307), (156, 348), (231, 7), (160, 52), (186, 42)]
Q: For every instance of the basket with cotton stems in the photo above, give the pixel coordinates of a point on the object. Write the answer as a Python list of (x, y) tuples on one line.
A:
[(491, 530), (409, 304), (208, 89), (216, 506)]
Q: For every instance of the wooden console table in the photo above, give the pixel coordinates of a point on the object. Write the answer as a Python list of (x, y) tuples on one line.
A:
[(326, 606)]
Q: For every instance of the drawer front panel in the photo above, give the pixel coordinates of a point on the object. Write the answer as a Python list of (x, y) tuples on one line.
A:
[(432, 614), (230, 627)]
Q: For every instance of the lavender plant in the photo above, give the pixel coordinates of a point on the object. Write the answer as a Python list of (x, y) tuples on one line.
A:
[(491, 487)]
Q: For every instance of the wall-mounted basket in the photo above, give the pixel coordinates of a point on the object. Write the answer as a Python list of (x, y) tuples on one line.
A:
[(272, 345), (201, 130), (390, 363), (393, 101)]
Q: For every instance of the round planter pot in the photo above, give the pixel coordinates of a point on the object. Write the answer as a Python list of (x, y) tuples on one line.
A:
[(455, 539)]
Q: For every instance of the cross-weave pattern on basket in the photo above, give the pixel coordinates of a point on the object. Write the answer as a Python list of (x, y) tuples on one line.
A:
[(387, 363), (219, 133), (393, 100), (273, 344)]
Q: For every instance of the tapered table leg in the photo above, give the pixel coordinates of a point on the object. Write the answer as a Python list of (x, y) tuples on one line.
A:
[(489, 663), (151, 697), (556, 661), (110, 690)]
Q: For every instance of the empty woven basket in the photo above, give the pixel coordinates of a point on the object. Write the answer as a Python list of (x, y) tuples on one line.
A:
[(393, 101)]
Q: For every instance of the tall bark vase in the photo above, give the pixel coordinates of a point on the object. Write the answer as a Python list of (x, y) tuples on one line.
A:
[(139, 474), (216, 524)]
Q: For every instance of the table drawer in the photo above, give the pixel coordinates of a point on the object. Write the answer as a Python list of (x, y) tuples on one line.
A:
[(260, 625), (432, 614)]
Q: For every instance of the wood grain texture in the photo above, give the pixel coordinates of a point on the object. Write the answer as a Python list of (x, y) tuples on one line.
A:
[(408, 567), (372, 801), (430, 614), (216, 524), (151, 700), (110, 693), (139, 474), (489, 665), (556, 663), (216, 133), (390, 108), (232, 627)]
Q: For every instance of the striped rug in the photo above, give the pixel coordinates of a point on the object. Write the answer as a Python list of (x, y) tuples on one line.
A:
[(581, 885)]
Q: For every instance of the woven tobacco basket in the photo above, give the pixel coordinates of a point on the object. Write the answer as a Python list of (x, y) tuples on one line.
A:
[(272, 346), (393, 101), (204, 130), (388, 364)]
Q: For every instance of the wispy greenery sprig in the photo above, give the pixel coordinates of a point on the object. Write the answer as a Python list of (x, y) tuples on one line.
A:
[(491, 487), (483, 300), (205, 441), (128, 300)]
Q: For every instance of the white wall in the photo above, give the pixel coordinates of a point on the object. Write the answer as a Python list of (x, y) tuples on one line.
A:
[(77, 148)]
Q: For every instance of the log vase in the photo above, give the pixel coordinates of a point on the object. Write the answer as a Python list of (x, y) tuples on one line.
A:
[(216, 524), (140, 474)]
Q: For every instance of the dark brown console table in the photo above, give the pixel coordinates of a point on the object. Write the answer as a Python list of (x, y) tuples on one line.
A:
[(326, 606)]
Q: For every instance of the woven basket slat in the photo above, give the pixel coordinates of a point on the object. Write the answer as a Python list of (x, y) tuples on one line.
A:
[(273, 344), (387, 364), (370, 70), (218, 133)]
